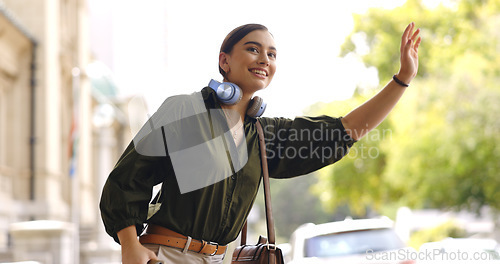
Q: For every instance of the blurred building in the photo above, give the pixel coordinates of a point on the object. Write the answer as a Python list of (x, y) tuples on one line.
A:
[(62, 129)]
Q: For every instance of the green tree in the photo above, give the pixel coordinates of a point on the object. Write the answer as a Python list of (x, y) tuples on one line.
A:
[(355, 180), (442, 150), (437, 233)]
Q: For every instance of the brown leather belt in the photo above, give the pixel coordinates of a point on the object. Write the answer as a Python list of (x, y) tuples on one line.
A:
[(163, 236)]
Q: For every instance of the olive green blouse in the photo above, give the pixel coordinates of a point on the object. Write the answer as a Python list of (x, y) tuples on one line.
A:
[(217, 213)]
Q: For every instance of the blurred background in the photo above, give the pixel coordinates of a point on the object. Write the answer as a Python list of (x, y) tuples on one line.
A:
[(76, 76)]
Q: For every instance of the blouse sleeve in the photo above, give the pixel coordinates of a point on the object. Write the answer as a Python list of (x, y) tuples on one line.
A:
[(146, 162), (128, 189), (302, 145)]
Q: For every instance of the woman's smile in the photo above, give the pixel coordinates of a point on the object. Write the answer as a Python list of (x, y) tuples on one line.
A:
[(261, 73)]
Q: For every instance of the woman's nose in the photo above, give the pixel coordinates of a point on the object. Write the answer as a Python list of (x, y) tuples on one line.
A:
[(263, 59)]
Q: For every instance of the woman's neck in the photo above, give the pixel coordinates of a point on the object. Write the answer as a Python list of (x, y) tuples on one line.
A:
[(240, 107)]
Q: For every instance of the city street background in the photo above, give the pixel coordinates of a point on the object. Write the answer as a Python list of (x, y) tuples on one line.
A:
[(79, 77)]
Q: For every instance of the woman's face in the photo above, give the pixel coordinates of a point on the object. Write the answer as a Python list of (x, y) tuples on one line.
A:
[(251, 64)]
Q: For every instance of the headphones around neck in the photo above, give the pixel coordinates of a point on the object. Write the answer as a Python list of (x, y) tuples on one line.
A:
[(230, 94)]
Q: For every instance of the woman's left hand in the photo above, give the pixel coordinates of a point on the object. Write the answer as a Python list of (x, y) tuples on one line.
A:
[(410, 41)]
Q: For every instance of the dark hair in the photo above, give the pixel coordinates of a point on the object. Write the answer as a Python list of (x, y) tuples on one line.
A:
[(236, 35)]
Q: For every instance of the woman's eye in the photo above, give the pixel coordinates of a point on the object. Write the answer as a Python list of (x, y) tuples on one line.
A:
[(272, 55), (252, 49)]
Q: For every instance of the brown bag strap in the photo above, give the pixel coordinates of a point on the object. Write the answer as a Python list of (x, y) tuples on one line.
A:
[(244, 234), (271, 236)]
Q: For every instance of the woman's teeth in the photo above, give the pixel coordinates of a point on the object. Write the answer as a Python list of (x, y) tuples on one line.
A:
[(263, 73)]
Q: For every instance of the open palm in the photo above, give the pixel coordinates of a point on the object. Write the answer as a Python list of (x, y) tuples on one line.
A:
[(410, 41)]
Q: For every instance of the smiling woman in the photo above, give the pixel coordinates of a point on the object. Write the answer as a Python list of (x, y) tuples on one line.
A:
[(250, 62), (235, 36), (195, 226)]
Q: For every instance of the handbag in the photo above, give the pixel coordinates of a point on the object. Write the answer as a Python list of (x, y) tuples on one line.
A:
[(265, 251)]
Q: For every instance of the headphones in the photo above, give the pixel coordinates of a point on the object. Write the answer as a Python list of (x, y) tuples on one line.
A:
[(229, 94)]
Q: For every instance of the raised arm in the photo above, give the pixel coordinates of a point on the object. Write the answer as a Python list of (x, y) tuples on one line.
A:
[(370, 114)]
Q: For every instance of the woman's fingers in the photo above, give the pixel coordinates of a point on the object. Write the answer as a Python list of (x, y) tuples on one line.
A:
[(406, 34), (417, 44), (410, 39), (415, 34)]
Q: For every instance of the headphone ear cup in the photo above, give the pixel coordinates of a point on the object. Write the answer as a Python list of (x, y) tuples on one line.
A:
[(229, 93), (256, 107)]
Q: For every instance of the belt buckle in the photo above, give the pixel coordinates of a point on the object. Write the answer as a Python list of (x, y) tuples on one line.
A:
[(216, 247)]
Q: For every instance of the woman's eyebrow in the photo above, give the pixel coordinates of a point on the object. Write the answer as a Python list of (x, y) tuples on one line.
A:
[(258, 44)]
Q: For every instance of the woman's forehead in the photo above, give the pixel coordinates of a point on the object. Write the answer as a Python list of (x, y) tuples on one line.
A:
[(260, 36)]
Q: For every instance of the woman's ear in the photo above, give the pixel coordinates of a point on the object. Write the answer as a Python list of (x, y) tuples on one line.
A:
[(223, 62)]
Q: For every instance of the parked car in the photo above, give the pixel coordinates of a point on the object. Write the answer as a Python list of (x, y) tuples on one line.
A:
[(348, 241)]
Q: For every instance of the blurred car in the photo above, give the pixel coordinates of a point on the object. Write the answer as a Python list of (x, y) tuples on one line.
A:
[(348, 241)]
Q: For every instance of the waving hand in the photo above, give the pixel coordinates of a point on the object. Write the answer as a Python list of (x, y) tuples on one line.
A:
[(410, 41)]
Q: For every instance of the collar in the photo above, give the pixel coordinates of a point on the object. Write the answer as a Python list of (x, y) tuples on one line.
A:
[(210, 98)]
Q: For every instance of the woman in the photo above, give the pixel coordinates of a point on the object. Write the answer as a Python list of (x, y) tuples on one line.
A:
[(202, 221)]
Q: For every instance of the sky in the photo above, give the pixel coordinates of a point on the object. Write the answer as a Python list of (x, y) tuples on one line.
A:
[(160, 48)]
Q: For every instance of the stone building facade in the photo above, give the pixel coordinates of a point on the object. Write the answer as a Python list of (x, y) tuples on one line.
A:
[(61, 130)]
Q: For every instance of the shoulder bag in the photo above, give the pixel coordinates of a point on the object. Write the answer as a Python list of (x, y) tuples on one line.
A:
[(264, 251)]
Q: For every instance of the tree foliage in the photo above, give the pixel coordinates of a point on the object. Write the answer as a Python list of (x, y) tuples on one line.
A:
[(437, 233), (442, 146)]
